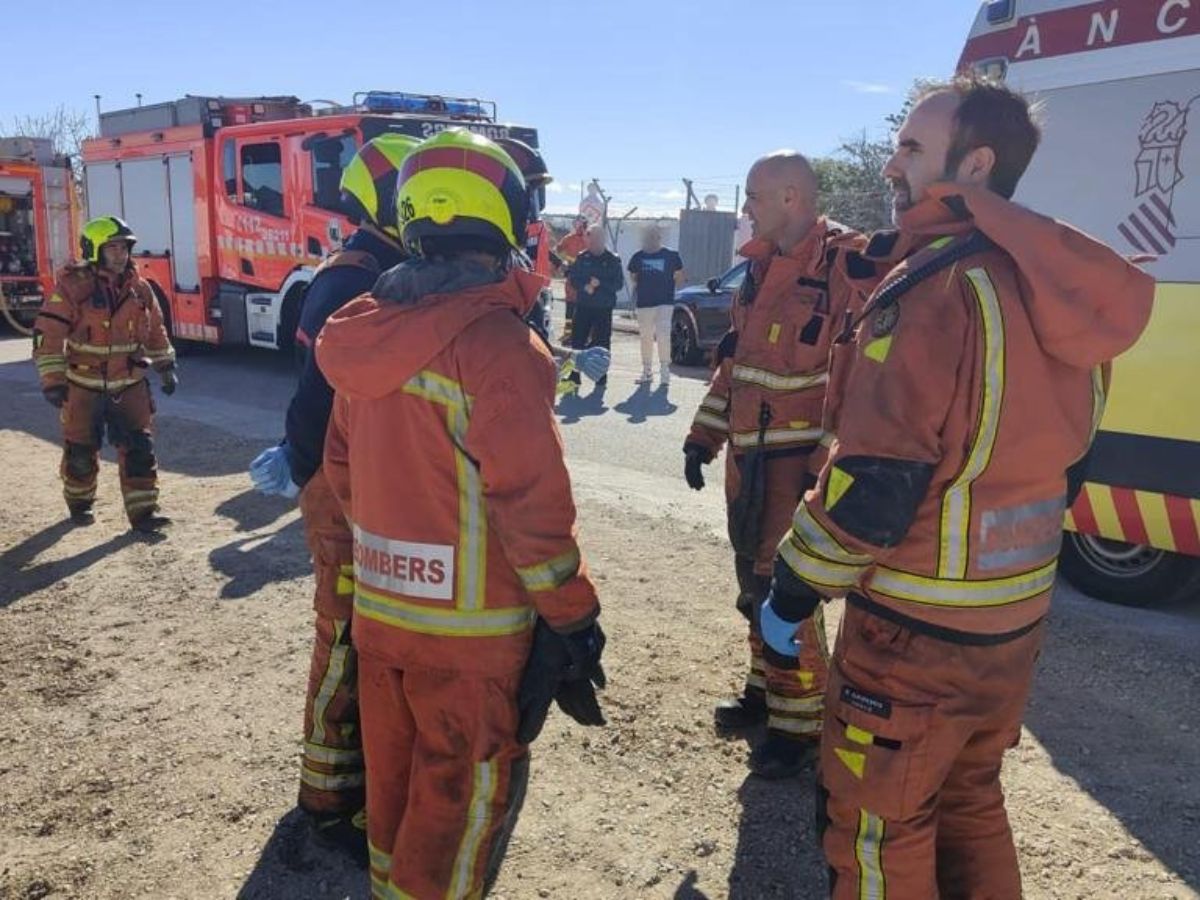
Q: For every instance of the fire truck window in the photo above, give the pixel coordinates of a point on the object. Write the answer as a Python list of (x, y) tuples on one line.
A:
[(229, 171), (262, 178), (329, 159)]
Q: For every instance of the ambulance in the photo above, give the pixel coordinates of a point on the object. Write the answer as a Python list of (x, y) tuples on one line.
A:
[(1118, 84)]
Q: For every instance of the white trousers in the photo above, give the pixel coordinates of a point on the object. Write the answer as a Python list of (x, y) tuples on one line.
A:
[(654, 325)]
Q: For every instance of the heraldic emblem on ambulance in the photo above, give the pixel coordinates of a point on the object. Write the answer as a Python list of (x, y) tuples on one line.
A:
[(1151, 227)]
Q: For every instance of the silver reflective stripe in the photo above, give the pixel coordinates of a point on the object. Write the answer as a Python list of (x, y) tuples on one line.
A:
[(963, 593), (549, 575), (706, 419), (956, 503), (794, 726), (332, 756), (819, 571), (779, 436), (325, 782), (478, 818), (775, 382), (451, 622), (715, 402), (103, 349), (111, 384), (813, 704), (335, 671), (811, 532), (868, 851), (1020, 556), (1047, 538)]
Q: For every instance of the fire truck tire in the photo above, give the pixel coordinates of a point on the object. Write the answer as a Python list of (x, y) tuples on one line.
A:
[(1128, 574), (182, 347), (20, 320)]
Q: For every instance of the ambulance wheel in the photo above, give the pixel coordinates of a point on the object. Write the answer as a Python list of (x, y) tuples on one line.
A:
[(685, 348), (1128, 574)]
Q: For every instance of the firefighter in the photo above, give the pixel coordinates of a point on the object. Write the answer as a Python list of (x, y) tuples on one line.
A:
[(95, 338), (973, 386), (567, 250), (332, 774), (473, 607), (766, 404)]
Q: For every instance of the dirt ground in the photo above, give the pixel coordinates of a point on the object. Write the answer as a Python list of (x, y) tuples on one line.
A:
[(151, 692)]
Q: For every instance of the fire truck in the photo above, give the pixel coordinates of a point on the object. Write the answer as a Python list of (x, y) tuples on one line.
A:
[(1119, 89), (235, 200), (38, 223)]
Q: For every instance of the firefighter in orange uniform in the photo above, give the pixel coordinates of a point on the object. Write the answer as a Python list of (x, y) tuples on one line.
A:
[(973, 385), (567, 250), (473, 608), (766, 403), (94, 339)]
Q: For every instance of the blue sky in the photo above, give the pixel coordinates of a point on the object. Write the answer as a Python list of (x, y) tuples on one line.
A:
[(636, 94)]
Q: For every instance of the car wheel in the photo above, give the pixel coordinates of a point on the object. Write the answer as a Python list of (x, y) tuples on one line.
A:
[(1128, 574), (685, 348)]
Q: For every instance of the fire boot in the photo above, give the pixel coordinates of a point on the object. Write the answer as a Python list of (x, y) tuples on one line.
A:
[(742, 713), (150, 524), (343, 834), (82, 515), (781, 757)]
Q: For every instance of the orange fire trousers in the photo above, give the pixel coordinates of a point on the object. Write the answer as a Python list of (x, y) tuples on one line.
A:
[(910, 762), (446, 778), (128, 417), (332, 772), (795, 696)]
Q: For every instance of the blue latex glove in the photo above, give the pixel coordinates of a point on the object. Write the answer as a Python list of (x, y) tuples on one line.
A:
[(272, 475), (777, 632), (593, 362)]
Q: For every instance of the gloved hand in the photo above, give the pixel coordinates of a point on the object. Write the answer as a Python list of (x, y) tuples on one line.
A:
[(696, 456), (56, 395), (593, 362), (272, 475), (170, 380), (564, 668), (777, 632)]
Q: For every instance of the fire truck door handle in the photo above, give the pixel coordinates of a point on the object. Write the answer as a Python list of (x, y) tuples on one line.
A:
[(314, 247), (247, 267)]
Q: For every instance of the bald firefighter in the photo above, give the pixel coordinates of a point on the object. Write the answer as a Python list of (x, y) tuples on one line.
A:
[(94, 340), (765, 409), (332, 774), (970, 390)]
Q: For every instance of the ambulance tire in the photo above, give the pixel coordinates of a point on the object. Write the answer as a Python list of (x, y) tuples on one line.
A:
[(1128, 574)]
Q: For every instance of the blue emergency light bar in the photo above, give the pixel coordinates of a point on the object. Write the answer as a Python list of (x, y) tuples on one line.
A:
[(425, 104)]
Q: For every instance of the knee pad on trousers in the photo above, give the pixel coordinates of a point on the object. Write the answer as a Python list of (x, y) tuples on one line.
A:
[(81, 461), (139, 456)]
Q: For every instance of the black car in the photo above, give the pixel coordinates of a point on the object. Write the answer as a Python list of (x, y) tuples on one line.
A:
[(702, 316)]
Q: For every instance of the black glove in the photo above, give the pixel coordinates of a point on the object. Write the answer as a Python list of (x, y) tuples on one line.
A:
[(56, 395), (563, 668), (170, 380), (696, 456)]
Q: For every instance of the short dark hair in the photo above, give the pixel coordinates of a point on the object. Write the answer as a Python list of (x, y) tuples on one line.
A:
[(991, 114)]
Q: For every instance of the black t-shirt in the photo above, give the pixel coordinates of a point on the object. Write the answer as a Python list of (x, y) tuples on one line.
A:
[(655, 273)]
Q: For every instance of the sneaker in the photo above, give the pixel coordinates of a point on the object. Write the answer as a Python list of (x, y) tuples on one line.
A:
[(740, 713), (645, 378), (343, 834), (150, 524), (83, 516), (781, 757)]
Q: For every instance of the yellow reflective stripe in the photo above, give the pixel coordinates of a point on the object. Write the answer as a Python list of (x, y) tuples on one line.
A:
[(816, 570), (956, 503), (778, 436), (158, 355), (379, 860), (335, 673), (705, 419), (332, 756), (806, 527), (551, 574), (963, 593), (859, 736), (438, 388), (100, 384), (1099, 398), (868, 851), (775, 382), (326, 782), (445, 622), (715, 402), (472, 523), (102, 349), (49, 359), (479, 814)]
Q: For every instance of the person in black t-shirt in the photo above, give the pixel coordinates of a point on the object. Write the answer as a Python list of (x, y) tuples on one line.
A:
[(656, 271), (596, 277)]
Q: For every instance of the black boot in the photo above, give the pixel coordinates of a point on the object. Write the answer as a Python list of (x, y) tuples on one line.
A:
[(82, 515), (342, 833), (780, 756), (741, 713), (151, 523)]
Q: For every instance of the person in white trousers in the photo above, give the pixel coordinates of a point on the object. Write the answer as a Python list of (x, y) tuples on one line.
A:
[(656, 271)]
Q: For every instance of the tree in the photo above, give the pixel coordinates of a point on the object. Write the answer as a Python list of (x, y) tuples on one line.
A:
[(66, 128), (851, 185)]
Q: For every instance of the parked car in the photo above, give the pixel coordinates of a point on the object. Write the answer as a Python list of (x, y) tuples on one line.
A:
[(702, 316)]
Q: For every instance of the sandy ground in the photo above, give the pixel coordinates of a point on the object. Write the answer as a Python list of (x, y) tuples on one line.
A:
[(151, 693)]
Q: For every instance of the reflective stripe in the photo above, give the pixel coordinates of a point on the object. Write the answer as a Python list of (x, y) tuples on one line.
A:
[(326, 782), (715, 402), (794, 726), (439, 389), (132, 496), (447, 622), (79, 493), (345, 581), (756, 680), (1010, 531), (332, 756), (102, 349), (1099, 398), (963, 593), (705, 419), (817, 537), (868, 851), (549, 575), (816, 570), (479, 814), (956, 503), (748, 439), (50, 360), (335, 673), (775, 382), (99, 384), (814, 704), (827, 439), (159, 355), (380, 861)]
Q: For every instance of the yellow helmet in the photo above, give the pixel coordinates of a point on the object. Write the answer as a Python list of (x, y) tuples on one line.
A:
[(460, 184), (368, 183), (98, 232)]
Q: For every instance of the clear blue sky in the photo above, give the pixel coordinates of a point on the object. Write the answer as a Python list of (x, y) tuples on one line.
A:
[(637, 94)]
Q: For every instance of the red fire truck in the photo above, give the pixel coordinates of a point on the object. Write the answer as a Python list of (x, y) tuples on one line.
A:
[(235, 200), (38, 222)]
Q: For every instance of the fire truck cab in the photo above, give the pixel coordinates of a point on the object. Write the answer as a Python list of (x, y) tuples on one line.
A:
[(38, 222), (235, 200)]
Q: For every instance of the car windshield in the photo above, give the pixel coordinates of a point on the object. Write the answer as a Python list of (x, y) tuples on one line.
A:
[(733, 279)]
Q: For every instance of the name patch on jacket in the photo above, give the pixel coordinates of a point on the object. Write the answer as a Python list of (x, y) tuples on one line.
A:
[(404, 567), (868, 703)]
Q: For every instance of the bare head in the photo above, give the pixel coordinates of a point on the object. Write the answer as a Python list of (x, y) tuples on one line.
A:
[(781, 197), (596, 239), (967, 131), (652, 238)]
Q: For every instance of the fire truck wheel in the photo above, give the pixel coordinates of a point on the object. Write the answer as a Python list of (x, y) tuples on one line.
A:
[(289, 319), (1128, 574)]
